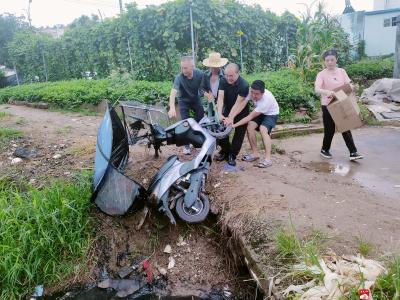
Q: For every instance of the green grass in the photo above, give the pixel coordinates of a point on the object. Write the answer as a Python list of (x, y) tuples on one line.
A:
[(292, 250), (307, 250), (288, 243), (364, 247), (388, 285), (44, 233), (82, 111), (9, 133), (4, 115), (293, 133)]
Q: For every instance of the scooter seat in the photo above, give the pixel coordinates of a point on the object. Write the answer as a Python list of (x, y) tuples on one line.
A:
[(164, 169)]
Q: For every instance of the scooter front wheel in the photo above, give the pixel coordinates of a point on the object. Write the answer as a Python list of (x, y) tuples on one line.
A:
[(196, 213), (220, 132)]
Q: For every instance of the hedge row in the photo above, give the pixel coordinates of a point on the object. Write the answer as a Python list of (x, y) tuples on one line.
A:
[(74, 93), (369, 69), (290, 91)]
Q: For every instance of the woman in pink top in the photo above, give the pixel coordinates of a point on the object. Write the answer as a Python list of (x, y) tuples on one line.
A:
[(327, 80)]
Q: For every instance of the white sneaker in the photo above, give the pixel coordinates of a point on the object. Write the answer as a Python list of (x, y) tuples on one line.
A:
[(186, 151)]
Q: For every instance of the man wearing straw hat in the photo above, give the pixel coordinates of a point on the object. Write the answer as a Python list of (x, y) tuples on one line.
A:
[(188, 84), (213, 77)]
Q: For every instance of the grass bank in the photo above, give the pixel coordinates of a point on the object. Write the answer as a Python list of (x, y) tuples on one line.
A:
[(45, 233)]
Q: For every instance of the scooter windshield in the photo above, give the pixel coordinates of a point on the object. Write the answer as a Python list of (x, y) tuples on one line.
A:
[(113, 192)]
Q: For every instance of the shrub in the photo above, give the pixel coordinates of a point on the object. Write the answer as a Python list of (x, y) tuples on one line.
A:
[(289, 89), (143, 91), (368, 69), (74, 93)]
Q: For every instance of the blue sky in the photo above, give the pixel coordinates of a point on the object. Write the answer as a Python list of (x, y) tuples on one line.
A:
[(51, 12)]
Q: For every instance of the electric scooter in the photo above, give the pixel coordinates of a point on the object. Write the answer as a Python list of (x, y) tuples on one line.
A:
[(177, 184)]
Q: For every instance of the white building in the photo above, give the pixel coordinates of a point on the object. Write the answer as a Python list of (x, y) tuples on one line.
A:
[(386, 4), (377, 28)]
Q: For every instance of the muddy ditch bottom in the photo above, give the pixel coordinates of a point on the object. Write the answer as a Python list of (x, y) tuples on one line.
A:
[(207, 261), (208, 264)]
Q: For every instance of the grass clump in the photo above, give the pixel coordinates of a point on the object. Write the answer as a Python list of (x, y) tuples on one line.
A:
[(305, 252), (364, 247), (9, 133), (388, 285), (4, 115), (44, 233)]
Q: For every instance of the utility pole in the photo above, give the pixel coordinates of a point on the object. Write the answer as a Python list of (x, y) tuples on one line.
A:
[(287, 45), (240, 34), (130, 56), (29, 13), (44, 64), (101, 16), (191, 31), (396, 70), (120, 7), (16, 74)]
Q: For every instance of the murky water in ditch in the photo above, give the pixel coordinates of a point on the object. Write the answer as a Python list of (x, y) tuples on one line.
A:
[(107, 294)]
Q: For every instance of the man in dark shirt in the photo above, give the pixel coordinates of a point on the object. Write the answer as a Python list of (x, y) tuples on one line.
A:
[(188, 84), (233, 90)]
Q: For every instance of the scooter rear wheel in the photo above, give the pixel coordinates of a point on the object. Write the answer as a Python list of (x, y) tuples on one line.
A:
[(195, 214)]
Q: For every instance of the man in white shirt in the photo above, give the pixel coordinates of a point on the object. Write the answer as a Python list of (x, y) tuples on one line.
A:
[(262, 118)]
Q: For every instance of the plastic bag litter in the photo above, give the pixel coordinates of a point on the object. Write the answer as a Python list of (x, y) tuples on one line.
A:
[(340, 276)]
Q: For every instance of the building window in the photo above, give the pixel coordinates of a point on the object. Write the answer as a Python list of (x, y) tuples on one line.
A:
[(386, 23), (394, 21)]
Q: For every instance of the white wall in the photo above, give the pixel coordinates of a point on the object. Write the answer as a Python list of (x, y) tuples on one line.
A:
[(386, 4), (379, 40), (353, 24)]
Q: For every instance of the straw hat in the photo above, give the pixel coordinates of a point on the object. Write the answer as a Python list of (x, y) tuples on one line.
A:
[(215, 60)]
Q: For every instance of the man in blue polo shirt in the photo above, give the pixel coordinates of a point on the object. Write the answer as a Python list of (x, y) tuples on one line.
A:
[(187, 85)]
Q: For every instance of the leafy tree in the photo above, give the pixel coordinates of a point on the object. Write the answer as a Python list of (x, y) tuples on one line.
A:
[(147, 42), (9, 25), (317, 33)]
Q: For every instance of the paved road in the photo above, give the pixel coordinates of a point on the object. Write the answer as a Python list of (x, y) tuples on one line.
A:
[(379, 171)]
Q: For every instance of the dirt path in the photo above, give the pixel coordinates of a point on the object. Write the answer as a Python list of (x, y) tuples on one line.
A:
[(347, 201), (63, 143)]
